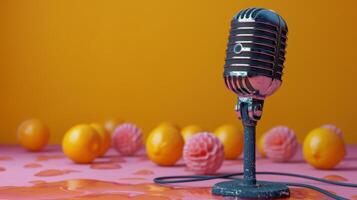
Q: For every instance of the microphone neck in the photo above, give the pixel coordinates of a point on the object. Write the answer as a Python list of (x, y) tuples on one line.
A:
[(252, 112)]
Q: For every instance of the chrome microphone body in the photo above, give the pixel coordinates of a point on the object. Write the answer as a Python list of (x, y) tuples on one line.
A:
[(255, 57)]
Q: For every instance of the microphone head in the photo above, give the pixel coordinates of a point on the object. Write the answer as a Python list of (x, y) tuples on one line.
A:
[(255, 53)]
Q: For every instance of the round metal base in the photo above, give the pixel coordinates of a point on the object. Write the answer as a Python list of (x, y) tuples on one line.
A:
[(262, 190)]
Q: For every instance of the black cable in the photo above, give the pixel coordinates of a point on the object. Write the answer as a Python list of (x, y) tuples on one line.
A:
[(182, 179), (311, 178), (325, 192)]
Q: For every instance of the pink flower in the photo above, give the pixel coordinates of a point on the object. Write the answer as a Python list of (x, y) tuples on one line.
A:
[(203, 153), (280, 144), (127, 139)]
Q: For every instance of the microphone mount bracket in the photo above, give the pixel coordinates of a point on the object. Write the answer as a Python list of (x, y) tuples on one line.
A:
[(255, 109)]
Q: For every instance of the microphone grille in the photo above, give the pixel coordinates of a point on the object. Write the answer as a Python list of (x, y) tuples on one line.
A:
[(257, 43)]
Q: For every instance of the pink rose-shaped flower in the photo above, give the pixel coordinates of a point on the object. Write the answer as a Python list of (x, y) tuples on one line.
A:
[(333, 128), (280, 144), (127, 139), (203, 153)]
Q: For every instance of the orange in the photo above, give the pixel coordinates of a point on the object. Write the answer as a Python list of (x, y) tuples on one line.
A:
[(323, 149), (111, 124), (33, 135), (261, 146), (164, 145), (105, 138), (81, 143), (161, 125), (232, 140), (190, 130)]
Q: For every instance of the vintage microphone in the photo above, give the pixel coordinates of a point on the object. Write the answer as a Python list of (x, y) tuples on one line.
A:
[(253, 69)]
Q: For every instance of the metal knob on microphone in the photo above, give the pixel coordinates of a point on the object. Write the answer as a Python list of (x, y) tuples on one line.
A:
[(253, 69)]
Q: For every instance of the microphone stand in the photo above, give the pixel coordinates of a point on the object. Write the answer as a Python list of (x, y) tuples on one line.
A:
[(249, 111), (249, 146)]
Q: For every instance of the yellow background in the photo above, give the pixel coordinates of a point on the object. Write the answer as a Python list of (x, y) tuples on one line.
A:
[(67, 62)]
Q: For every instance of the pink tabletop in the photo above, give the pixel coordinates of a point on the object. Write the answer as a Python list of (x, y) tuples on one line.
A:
[(50, 175)]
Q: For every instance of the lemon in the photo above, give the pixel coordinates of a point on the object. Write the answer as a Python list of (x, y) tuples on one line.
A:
[(323, 149), (261, 146), (104, 136), (164, 145), (232, 140), (33, 135), (190, 130), (81, 143)]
